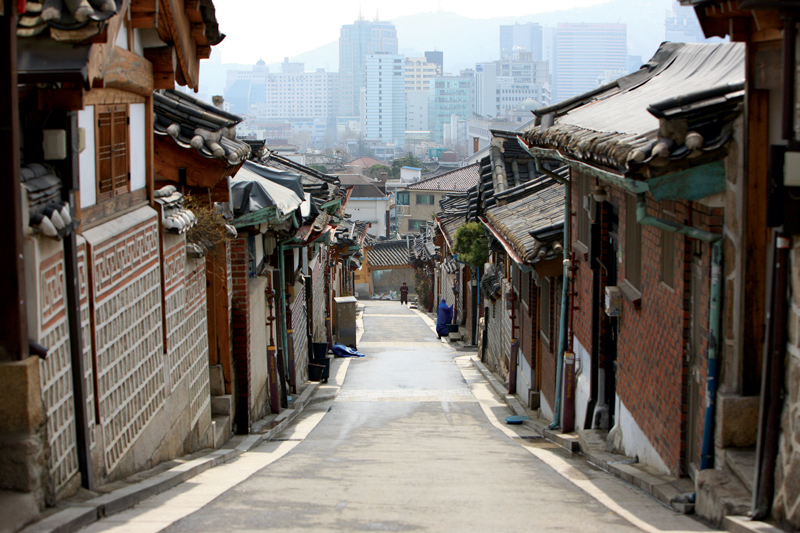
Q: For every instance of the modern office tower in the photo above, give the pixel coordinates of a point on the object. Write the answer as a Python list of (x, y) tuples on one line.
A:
[(681, 26), (521, 37), (292, 68), (385, 108), (437, 58), (356, 42), (296, 95), (585, 52), (419, 72), (502, 85), (245, 89), (417, 103), (450, 95)]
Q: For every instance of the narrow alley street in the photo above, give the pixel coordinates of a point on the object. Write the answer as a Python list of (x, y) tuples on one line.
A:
[(414, 440)]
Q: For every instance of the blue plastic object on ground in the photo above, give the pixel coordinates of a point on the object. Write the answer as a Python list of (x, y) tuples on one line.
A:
[(516, 419), (340, 350), (443, 318)]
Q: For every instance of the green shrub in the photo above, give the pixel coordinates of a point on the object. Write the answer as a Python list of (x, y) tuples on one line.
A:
[(472, 245)]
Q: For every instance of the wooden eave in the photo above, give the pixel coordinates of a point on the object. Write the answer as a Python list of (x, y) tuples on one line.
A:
[(175, 27), (721, 18), (200, 171)]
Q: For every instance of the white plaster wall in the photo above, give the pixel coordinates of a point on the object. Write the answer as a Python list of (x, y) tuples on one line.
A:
[(523, 377), (122, 37), (86, 159), (583, 374), (258, 349), (544, 407), (630, 440), (137, 147)]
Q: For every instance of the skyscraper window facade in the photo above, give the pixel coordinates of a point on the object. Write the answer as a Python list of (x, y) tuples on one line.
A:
[(356, 42), (385, 98), (586, 52)]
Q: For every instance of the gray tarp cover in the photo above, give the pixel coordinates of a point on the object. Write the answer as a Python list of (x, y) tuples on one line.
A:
[(254, 189)]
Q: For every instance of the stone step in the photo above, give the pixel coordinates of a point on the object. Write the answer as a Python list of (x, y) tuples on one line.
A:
[(742, 463), (720, 494), (216, 380), (222, 405), (222, 429)]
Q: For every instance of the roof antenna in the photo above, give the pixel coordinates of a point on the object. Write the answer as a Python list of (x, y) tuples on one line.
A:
[(360, 16), (376, 16)]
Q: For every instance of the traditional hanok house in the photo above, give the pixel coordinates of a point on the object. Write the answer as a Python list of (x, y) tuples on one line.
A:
[(310, 311), (508, 282), (421, 199), (655, 187), (456, 278), (122, 383), (763, 364), (388, 266), (195, 152), (351, 239), (423, 256), (285, 219), (528, 225)]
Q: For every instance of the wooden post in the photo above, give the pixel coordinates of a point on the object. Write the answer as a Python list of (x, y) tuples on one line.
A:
[(14, 333), (756, 237)]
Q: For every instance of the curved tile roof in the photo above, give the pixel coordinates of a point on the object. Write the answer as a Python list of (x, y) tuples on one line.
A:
[(458, 180)]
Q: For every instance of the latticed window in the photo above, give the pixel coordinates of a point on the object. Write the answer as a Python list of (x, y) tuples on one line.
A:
[(544, 309), (425, 199), (113, 157), (403, 198), (633, 245)]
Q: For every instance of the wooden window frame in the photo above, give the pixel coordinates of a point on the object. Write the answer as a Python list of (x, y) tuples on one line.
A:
[(633, 245), (668, 253), (119, 183), (406, 196), (545, 309), (426, 196)]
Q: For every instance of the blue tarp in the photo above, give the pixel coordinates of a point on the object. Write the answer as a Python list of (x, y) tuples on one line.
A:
[(445, 317), (340, 350)]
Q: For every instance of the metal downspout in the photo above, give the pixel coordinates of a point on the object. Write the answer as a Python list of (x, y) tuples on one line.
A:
[(715, 239), (282, 314), (562, 329)]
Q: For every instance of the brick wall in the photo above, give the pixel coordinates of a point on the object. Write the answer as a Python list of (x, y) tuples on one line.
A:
[(240, 330)]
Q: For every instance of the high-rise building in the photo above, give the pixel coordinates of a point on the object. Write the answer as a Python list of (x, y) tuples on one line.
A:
[(437, 58), (356, 42), (502, 85), (585, 52), (521, 37), (450, 96), (245, 90), (419, 72), (681, 26), (307, 95), (385, 106)]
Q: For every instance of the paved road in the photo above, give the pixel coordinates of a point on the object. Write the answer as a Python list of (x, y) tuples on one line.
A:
[(414, 441)]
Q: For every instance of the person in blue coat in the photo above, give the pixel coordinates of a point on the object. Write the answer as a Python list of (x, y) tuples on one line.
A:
[(444, 317)]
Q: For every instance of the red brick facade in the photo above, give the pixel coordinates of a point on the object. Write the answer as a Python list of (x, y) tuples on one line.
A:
[(241, 331), (652, 368)]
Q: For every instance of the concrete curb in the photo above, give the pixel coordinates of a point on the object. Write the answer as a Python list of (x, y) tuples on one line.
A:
[(82, 514), (568, 442), (742, 524), (662, 488)]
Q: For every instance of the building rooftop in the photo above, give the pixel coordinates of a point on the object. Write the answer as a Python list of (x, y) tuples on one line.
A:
[(458, 180)]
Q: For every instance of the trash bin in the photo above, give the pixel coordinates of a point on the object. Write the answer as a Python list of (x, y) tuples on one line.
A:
[(319, 369), (320, 350), (346, 320)]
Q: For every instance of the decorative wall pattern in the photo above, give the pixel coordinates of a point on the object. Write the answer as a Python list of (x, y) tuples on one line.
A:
[(300, 331), (86, 334), (318, 284), (56, 373), (126, 284)]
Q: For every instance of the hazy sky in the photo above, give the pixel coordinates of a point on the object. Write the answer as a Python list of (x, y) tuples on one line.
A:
[(272, 30)]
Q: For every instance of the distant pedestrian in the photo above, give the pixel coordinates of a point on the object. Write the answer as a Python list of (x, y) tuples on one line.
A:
[(404, 293)]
